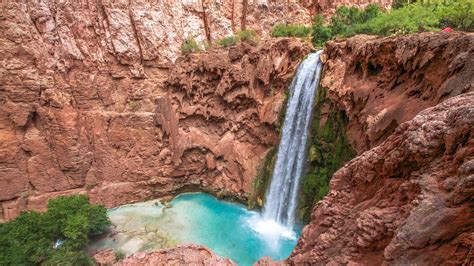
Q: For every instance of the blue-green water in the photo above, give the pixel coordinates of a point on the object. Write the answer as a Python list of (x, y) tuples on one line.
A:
[(228, 229)]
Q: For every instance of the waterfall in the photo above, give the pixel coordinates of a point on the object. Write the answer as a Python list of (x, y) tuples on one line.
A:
[(281, 201)]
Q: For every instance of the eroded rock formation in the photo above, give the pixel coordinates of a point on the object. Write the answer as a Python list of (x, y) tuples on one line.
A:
[(408, 200), (379, 83), (407, 197), (181, 255), (85, 109)]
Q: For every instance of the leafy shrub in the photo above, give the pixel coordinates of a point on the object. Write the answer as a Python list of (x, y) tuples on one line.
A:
[(66, 257), (227, 41), (248, 36), (401, 3), (321, 33), (30, 238), (409, 19), (190, 46), (345, 18), (457, 14), (290, 30)]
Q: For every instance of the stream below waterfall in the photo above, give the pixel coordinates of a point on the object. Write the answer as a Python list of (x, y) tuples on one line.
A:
[(228, 229)]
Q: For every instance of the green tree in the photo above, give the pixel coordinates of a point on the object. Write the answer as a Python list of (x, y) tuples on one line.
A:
[(321, 33), (456, 14), (30, 238)]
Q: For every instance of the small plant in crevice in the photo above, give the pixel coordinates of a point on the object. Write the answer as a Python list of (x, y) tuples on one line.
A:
[(227, 41), (248, 36), (190, 46), (89, 186), (119, 255)]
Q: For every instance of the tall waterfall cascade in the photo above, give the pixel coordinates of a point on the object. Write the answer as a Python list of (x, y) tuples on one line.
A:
[(281, 200)]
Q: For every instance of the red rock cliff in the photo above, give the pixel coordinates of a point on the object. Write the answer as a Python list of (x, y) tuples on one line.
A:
[(84, 105), (85, 108), (407, 197)]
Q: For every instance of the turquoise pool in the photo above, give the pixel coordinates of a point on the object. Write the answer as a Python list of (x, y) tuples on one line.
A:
[(228, 229)]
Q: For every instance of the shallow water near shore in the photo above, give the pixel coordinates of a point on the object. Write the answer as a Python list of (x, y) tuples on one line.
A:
[(228, 229)]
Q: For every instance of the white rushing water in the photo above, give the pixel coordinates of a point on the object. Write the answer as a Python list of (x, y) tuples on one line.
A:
[(281, 201)]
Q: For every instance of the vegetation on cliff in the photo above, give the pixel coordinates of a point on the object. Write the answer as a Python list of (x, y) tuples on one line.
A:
[(190, 46), (406, 17), (56, 237), (262, 179), (248, 36), (329, 150), (291, 30)]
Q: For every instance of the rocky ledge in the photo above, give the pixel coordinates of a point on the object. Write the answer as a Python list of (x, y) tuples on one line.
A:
[(407, 104), (379, 83), (408, 200), (180, 255)]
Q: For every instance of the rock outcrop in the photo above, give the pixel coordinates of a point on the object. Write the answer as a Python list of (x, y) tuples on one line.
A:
[(181, 255), (408, 200), (85, 108), (371, 85), (379, 83)]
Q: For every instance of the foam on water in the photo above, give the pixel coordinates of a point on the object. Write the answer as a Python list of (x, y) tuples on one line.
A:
[(270, 231)]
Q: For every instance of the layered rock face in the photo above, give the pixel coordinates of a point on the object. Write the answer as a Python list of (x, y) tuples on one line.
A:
[(86, 108), (379, 83), (407, 197)]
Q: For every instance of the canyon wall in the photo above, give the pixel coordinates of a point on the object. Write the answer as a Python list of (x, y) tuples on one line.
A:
[(84, 98), (408, 109), (95, 99), (379, 83), (86, 107)]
